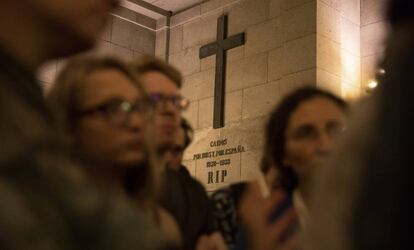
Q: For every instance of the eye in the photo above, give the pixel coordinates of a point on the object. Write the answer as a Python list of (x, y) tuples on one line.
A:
[(335, 128), (304, 132)]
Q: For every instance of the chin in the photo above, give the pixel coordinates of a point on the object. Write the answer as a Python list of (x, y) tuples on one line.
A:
[(129, 161)]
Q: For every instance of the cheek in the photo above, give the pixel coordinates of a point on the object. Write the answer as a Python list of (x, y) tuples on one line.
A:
[(297, 155), (95, 138)]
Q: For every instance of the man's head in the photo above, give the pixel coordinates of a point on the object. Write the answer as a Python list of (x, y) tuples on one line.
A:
[(162, 83), (183, 138), (53, 28)]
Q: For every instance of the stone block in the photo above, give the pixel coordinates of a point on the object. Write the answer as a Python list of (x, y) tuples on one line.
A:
[(162, 23), (138, 55), (247, 72), (220, 175), (289, 4), (201, 142), (161, 43), (299, 22), (351, 93), (201, 31), (274, 70), (185, 16), (133, 37), (250, 165), (186, 61), (299, 55), (106, 33), (296, 80), (329, 82), (232, 55), (351, 37), (251, 133), (260, 100), (146, 21), (263, 37), (336, 4), (102, 48), (199, 85), (351, 68), (351, 9), (121, 52), (372, 11), (214, 4), (275, 8), (191, 114), (176, 39), (329, 22), (373, 38), (233, 107), (329, 55), (109, 49), (247, 13), (205, 113)]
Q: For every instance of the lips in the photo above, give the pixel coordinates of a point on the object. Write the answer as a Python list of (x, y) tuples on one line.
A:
[(136, 144), (168, 128)]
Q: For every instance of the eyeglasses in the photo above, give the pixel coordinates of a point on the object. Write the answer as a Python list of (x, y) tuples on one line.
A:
[(160, 101), (118, 111)]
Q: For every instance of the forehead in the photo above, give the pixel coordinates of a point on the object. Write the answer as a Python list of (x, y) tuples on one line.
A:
[(157, 82), (104, 84), (317, 110)]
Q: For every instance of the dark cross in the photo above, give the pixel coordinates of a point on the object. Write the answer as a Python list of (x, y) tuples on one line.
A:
[(220, 48)]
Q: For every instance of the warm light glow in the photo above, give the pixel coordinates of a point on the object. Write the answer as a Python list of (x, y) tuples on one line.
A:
[(381, 71), (372, 84)]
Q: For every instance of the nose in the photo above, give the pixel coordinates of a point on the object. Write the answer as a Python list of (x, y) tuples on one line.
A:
[(169, 108), (325, 143), (135, 121)]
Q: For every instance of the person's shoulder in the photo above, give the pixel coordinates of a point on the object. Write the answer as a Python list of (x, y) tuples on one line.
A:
[(186, 176)]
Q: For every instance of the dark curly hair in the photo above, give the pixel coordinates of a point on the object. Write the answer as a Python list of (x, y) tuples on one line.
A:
[(277, 124)]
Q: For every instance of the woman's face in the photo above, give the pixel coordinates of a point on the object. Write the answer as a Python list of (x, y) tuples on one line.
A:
[(105, 130), (310, 134)]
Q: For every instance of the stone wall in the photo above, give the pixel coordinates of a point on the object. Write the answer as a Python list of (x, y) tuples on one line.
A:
[(279, 55), (338, 47), (289, 43), (127, 35), (374, 29)]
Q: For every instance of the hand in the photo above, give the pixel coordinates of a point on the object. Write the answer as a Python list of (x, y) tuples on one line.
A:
[(213, 241), (255, 211)]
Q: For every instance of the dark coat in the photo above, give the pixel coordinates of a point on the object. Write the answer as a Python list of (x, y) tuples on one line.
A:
[(186, 199)]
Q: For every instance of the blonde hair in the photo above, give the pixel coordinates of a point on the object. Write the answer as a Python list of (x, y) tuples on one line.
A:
[(149, 63), (65, 95)]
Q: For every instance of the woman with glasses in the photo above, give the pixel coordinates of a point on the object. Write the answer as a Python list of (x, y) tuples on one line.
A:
[(106, 115)]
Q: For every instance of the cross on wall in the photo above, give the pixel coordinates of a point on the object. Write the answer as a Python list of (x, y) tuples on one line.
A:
[(219, 48)]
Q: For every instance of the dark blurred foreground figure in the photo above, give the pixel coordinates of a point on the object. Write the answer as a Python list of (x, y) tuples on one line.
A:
[(366, 200), (46, 203)]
